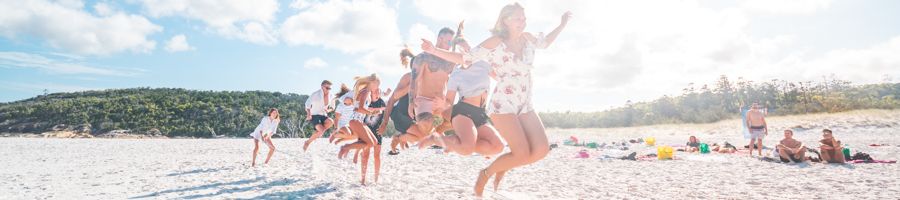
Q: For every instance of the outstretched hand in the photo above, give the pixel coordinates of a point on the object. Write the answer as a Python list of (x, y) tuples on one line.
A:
[(565, 17), (427, 46)]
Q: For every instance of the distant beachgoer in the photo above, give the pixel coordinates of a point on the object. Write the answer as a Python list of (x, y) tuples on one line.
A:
[(790, 149), (510, 52), (318, 105), (831, 149), (267, 127), (757, 126), (693, 145), (726, 148)]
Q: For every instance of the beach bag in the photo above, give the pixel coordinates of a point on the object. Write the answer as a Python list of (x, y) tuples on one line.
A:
[(592, 145), (650, 141), (665, 152), (704, 148), (861, 156)]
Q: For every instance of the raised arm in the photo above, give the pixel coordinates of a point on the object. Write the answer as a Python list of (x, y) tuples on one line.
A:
[(454, 57), (549, 38)]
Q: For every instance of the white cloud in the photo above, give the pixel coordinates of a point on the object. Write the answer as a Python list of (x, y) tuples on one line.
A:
[(348, 26), (178, 43), (613, 51), (65, 25), (248, 20), (797, 7), (58, 66), (315, 63), (364, 29)]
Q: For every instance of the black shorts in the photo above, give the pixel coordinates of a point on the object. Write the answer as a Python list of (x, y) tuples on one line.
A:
[(476, 114), (374, 130), (319, 119), (401, 120)]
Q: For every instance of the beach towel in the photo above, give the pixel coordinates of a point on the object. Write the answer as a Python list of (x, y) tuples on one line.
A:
[(872, 161), (744, 129)]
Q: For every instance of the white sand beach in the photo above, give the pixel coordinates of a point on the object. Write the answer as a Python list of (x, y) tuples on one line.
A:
[(34, 168)]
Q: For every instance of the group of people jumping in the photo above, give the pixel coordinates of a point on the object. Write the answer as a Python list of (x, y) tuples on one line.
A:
[(482, 93)]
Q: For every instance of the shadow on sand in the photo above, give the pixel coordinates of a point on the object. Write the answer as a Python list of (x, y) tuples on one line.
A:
[(197, 171), (308, 193), (223, 188)]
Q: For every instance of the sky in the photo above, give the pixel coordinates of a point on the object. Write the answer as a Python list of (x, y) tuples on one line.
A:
[(610, 52)]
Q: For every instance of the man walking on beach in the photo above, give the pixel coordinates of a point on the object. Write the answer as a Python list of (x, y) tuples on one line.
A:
[(757, 126), (317, 107)]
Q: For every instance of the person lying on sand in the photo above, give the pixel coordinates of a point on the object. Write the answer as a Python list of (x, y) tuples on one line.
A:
[(727, 148), (831, 148), (790, 149), (693, 145)]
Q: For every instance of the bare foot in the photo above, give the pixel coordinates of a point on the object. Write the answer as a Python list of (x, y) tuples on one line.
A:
[(343, 152), (483, 177)]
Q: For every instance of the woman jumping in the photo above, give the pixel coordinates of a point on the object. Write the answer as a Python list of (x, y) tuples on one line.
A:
[(510, 51)]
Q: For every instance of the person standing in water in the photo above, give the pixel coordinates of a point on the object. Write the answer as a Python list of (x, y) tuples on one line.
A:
[(267, 127), (318, 105), (758, 128), (510, 52)]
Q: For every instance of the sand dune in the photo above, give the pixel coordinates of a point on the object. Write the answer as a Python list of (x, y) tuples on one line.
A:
[(219, 168)]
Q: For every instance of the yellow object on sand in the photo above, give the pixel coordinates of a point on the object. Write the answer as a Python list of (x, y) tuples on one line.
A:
[(650, 141), (665, 152)]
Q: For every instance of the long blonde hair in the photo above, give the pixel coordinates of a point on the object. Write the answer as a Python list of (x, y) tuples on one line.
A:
[(362, 82), (500, 29)]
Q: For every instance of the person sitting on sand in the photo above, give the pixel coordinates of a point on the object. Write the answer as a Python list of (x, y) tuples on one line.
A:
[(831, 148), (790, 149), (693, 145)]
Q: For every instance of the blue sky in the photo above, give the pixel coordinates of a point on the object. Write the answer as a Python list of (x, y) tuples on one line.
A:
[(611, 52)]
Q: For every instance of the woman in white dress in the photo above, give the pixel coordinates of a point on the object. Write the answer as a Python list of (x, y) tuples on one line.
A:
[(264, 131)]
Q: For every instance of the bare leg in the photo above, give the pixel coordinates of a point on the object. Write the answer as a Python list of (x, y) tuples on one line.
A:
[(801, 155), (511, 130), (760, 147), (488, 143), (826, 155), (268, 141), (377, 156), (783, 154), (320, 129), (751, 146), (365, 164), (255, 151)]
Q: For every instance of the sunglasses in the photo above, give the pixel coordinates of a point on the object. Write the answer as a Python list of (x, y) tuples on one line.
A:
[(327, 88)]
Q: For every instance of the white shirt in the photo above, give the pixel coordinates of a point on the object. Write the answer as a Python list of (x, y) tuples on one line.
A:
[(317, 105), (265, 127)]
